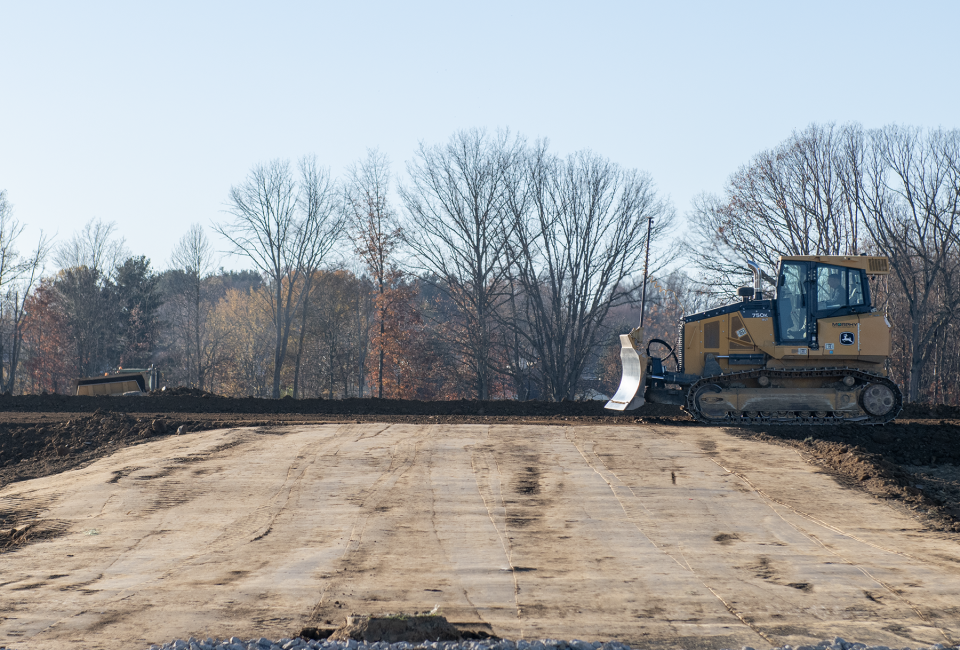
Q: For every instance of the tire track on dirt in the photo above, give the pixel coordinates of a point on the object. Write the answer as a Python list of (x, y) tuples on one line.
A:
[(484, 477), (246, 530), (896, 593), (403, 457), (767, 501), (617, 487), (257, 524), (444, 546), (23, 520)]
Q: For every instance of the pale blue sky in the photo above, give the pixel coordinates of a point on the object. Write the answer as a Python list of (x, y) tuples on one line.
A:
[(146, 114)]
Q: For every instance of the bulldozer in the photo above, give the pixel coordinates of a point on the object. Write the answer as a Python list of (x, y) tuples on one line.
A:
[(814, 352), (122, 381)]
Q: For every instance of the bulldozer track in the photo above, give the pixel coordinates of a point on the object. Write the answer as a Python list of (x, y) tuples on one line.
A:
[(810, 420)]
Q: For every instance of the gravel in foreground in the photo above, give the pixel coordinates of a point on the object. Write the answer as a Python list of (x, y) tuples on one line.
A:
[(487, 644)]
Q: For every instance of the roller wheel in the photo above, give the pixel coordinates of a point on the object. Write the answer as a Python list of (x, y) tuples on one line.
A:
[(878, 399), (707, 406)]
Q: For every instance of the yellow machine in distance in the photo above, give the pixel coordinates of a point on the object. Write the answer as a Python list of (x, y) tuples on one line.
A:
[(814, 353), (123, 381)]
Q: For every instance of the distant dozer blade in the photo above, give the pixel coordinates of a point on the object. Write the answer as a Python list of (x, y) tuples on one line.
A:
[(630, 394)]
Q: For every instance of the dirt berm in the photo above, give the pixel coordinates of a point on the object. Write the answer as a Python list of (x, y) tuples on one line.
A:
[(396, 628)]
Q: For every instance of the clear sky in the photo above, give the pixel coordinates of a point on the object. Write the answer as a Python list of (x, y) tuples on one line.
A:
[(146, 113)]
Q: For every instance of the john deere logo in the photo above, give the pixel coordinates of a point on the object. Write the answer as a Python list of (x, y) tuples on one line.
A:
[(847, 338)]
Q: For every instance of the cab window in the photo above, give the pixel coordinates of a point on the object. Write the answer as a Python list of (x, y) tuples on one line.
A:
[(855, 292), (792, 301), (831, 287), (839, 288)]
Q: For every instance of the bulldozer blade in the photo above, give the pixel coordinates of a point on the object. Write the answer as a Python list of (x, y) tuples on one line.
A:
[(630, 393)]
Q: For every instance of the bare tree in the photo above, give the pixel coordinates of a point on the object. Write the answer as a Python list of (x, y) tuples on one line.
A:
[(333, 318), (193, 258), (577, 237), (18, 275), (286, 227), (377, 232), (457, 226), (325, 224), (364, 316), (95, 247), (795, 199), (912, 205), (87, 260)]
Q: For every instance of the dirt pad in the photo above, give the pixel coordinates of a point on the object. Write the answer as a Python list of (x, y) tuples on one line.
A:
[(661, 536), (913, 464), (393, 629), (46, 434), (913, 460)]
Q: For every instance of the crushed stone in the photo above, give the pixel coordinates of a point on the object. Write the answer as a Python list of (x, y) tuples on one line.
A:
[(300, 643)]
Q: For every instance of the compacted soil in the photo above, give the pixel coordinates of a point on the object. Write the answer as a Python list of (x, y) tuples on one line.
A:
[(914, 460), (658, 535), (190, 514)]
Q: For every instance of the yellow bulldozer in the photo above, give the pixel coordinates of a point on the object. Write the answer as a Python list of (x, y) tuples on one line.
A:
[(813, 353), (122, 381)]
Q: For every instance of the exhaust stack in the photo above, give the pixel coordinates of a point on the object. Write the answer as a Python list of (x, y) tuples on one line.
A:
[(756, 279)]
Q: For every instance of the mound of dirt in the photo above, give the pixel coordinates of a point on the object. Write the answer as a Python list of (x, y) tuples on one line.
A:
[(181, 391), (929, 412), (191, 400), (29, 450), (393, 629)]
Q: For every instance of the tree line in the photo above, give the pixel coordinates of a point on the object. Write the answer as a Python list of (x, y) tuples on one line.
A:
[(493, 269)]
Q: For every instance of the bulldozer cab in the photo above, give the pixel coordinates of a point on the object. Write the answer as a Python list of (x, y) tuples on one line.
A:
[(809, 290)]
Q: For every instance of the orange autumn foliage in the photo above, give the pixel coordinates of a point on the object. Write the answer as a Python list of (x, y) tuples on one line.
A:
[(46, 343), (410, 366)]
